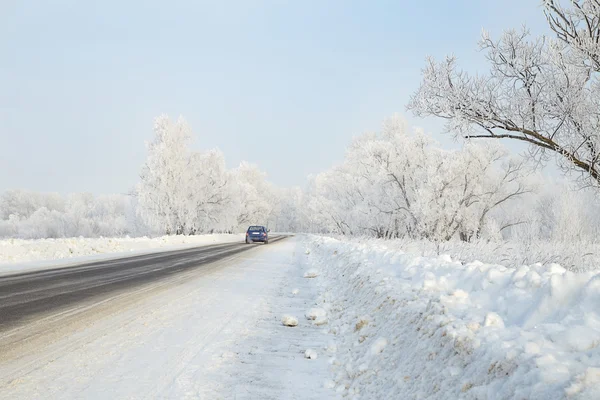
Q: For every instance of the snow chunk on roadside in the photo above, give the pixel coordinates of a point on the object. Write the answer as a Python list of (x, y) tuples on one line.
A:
[(378, 346), (311, 273), (295, 291), (331, 347), (289, 320), (315, 313), (493, 319), (318, 315), (310, 354), (460, 294)]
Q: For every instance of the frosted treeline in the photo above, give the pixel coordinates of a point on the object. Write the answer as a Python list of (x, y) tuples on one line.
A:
[(401, 184), (187, 192), (180, 191), (32, 215), (396, 183)]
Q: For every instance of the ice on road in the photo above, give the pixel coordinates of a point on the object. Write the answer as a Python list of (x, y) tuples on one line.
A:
[(217, 336)]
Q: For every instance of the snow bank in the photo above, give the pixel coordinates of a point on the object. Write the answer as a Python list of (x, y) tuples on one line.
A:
[(14, 251), (407, 326), (574, 255)]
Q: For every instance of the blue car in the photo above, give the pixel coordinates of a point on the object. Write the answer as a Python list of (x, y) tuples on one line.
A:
[(257, 234)]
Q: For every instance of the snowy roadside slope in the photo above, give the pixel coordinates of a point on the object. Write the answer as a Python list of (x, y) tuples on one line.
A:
[(26, 255), (415, 327)]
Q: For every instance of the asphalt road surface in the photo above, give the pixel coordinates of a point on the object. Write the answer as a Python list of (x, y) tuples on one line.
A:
[(41, 302)]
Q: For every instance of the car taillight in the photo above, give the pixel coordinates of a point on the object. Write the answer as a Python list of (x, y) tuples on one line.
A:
[(246, 233)]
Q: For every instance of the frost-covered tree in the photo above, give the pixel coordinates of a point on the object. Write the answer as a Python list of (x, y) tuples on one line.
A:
[(22, 203), (254, 197), (165, 178), (189, 192), (398, 183), (33, 215), (209, 193), (578, 26), (558, 213), (542, 91), (287, 212), (331, 200)]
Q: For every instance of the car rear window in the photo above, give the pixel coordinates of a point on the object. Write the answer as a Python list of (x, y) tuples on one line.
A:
[(255, 228)]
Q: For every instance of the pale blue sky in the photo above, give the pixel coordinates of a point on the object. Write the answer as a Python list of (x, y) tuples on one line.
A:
[(283, 84)]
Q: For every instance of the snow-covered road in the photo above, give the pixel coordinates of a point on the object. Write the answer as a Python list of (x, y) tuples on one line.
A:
[(216, 334)]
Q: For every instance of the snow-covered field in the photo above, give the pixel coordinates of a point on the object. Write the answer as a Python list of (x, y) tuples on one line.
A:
[(21, 254), (407, 326)]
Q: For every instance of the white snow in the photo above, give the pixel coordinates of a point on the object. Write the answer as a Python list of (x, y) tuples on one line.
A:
[(407, 326), (289, 320), (379, 323), (19, 255), (311, 273), (493, 319), (573, 255), (379, 345), (329, 384), (315, 313), (216, 334), (310, 354)]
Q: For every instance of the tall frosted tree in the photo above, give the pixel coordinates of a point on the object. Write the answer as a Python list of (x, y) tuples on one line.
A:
[(210, 193), (165, 176), (254, 195)]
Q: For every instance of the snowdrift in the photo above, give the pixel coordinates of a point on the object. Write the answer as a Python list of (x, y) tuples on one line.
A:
[(432, 327)]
